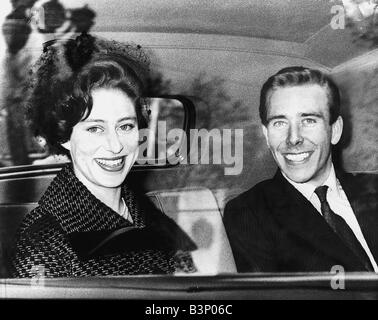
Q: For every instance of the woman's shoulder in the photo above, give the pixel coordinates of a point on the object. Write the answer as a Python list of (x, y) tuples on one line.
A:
[(40, 223), (40, 235), (41, 245)]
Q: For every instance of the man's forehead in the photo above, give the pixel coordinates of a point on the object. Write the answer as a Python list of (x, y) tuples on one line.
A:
[(309, 97), (307, 90)]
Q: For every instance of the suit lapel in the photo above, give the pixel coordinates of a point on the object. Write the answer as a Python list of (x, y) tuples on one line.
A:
[(298, 216), (361, 191)]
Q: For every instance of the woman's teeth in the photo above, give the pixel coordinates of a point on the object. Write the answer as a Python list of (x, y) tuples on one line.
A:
[(110, 163), (297, 157)]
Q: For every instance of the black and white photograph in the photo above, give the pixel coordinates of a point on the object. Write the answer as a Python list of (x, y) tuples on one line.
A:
[(188, 154)]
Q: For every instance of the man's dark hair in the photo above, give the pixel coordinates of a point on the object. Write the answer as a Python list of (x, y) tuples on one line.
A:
[(299, 76)]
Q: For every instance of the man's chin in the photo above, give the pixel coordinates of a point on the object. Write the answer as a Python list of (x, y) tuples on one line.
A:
[(297, 177)]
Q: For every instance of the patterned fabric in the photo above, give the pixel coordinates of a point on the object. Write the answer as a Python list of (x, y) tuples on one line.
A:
[(69, 211)]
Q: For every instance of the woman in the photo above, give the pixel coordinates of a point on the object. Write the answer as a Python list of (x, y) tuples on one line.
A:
[(85, 100)]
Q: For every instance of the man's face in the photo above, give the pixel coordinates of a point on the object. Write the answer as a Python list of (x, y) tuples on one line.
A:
[(298, 132)]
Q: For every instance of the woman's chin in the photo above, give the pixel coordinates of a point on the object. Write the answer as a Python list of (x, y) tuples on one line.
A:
[(111, 183), (110, 179)]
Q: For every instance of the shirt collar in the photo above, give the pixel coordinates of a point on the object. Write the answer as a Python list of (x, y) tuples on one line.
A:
[(332, 181), (308, 189)]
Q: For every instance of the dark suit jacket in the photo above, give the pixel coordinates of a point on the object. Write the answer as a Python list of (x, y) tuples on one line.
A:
[(274, 228)]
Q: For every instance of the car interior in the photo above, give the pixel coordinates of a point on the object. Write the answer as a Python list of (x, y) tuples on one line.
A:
[(215, 55)]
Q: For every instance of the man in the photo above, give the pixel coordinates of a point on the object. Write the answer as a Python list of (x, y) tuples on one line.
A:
[(308, 217)]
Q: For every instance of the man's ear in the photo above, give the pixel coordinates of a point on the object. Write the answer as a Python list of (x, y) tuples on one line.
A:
[(66, 145), (337, 130), (265, 132)]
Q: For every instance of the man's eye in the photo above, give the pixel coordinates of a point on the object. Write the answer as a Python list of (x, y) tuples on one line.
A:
[(309, 121), (278, 124), (95, 130)]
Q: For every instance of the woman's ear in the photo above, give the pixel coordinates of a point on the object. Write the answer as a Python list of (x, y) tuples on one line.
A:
[(66, 145)]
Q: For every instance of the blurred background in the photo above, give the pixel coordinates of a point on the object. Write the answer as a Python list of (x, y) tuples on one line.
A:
[(218, 53)]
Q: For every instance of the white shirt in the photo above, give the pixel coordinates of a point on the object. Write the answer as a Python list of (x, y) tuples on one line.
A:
[(339, 204)]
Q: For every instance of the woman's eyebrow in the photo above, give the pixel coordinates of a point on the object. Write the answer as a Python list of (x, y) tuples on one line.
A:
[(127, 118), (102, 121), (93, 120)]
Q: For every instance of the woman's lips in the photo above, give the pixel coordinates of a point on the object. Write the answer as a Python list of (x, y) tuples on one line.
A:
[(111, 164)]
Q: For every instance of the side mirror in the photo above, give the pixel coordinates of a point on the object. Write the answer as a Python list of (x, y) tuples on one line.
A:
[(166, 140)]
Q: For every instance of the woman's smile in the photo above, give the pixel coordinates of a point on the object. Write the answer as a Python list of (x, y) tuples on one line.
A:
[(111, 164)]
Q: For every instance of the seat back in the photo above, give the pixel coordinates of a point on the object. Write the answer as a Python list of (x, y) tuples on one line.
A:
[(196, 211), (10, 219)]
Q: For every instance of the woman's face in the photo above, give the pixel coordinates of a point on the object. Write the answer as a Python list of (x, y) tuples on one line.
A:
[(104, 146)]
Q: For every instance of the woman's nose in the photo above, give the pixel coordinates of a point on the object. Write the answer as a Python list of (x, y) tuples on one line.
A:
[(114, 143), (294, 136)]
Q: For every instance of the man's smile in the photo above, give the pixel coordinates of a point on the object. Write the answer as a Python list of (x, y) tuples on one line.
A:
[(297, 158)]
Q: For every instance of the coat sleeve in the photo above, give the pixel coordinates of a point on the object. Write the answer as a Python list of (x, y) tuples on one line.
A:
[(36, 257), (250, 236)]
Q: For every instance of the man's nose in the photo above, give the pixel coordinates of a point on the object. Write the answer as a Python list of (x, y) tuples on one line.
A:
[(114, 143), (294, 136)]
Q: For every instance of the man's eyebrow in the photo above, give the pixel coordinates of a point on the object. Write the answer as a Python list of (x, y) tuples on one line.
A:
[(276, 117), (313, 114)]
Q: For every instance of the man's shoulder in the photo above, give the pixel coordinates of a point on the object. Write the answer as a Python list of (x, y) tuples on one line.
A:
[(252, 194), (371, 176), (359, 181)]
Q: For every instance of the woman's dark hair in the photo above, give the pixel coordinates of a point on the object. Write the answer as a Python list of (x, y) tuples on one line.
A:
[(60, 95), (299, 76)]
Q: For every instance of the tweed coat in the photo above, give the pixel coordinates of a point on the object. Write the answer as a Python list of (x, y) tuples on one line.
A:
[(71, 233)]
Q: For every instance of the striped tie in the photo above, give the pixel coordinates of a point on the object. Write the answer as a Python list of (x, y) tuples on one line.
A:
[(341, 228)]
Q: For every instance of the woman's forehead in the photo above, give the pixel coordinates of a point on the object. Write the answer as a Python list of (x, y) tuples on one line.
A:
[(111, 104)]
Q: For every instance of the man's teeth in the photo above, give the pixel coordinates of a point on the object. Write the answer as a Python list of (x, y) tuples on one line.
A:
[(110, 163), (297, 157)]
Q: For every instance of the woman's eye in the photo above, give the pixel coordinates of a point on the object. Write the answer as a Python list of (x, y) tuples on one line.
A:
[(95, 130), (127, 127)]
